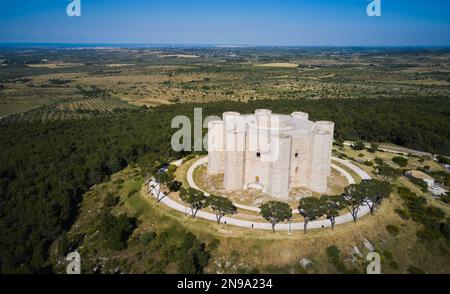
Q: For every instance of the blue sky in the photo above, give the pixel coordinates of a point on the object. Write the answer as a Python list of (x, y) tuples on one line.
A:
[(253, 22)]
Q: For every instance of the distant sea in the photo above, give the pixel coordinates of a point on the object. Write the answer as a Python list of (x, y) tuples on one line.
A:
[(24, 45), (99, 45)]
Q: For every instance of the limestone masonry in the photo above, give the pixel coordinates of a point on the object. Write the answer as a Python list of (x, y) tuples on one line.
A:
[(270, 152)]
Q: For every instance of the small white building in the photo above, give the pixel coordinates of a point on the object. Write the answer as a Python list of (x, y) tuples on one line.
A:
[(446, 166), (433, 187), (270, 152)]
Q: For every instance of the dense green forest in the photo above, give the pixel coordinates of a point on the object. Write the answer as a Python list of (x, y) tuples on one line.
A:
[(45, 167)]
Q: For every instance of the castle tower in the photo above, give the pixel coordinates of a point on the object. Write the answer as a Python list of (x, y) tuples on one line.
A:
[(279, 182), (322, 141), (300, 115), (301, 154), (328, 127), (301, 160), (263, 118), (263, 133), (216, 147), (234, 151)]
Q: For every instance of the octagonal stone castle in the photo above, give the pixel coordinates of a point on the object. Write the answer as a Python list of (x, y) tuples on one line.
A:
[(270, 152)]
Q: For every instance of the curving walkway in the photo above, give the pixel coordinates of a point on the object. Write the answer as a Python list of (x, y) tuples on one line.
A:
[(253, 225), (204, 160), (153, 187), (362, 174), (343, 172)]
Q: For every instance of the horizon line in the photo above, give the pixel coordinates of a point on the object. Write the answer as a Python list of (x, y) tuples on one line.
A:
[(206, 44)]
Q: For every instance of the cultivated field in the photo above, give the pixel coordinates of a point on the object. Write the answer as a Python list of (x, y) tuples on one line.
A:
[(165, 76)]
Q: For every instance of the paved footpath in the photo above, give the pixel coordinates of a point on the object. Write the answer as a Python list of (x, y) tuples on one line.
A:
[(362, 174), (153, 188)]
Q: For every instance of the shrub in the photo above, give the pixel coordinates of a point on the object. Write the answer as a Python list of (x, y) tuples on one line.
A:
[(443, 160), (429, 216), (132, 192), (445, 198), (442, 177), (401, 161), (333, 252), (334, 255), (213, 245), (192, 255), (368, 163), (387, 255), (111, 200), (423, 185), (175, 186), (358, 145), (339, 142), (119, 181), (387, 173), (393, 230), (403, 213), (428, 234), (394, 265), (409, 196), (183, 249), (172, 169), (147, 238), (63, 244), (378, 161), (445, 229), (115, 230), (189, 157), (373, 148)]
